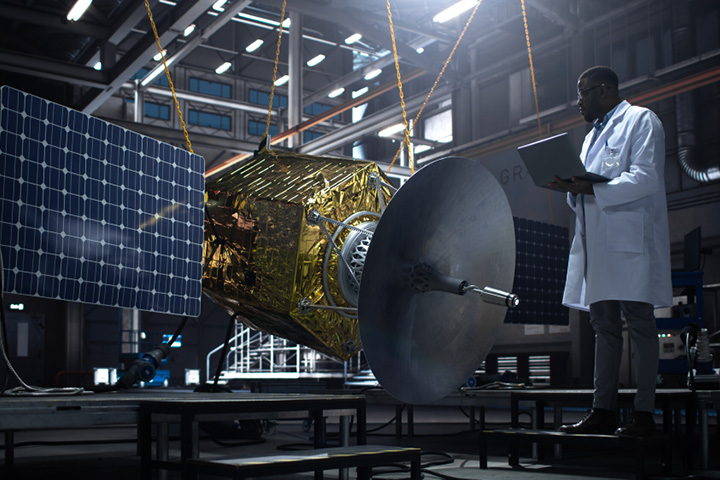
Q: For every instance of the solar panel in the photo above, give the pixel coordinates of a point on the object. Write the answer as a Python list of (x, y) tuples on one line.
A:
[(540, 268), (91, 212)]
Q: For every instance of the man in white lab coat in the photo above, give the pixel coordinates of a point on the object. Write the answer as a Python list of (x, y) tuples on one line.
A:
[(620, 256)]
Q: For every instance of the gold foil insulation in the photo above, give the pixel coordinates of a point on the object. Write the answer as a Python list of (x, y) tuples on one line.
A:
[(263, 256)]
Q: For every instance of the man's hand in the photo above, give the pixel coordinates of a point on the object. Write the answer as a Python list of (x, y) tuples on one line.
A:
[(574, 185)]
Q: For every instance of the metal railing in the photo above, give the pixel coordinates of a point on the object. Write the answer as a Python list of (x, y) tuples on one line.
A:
[(256, 355)]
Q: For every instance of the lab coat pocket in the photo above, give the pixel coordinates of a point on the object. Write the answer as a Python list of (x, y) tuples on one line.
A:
[(625, 232)]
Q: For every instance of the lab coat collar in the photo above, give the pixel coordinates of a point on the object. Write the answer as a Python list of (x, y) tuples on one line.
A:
[(615, 118)]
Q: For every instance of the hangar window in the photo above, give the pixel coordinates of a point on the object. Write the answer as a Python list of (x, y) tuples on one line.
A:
[(258, 128), (259, 97), (157, 110), (206, 119), (207, 87)]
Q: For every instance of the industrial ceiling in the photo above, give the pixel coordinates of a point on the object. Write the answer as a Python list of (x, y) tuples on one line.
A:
[(98, 63)]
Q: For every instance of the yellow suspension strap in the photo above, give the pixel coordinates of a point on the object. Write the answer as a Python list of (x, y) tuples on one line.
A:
[(402, 99), (167, 73), (272, 84), (537, 105), (437, 80), (532, 69)]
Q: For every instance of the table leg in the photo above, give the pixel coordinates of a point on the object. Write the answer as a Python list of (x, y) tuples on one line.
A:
[(163, 446), (411, 420), (344, 442), (361, 425), (319, 434), (9, 447), (145, 444), (398, 421)]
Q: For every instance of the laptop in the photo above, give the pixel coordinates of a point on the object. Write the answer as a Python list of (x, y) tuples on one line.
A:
[(555, 156)]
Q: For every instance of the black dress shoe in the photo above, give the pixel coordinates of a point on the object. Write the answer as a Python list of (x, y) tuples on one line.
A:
[(641, 424), (596, 421)]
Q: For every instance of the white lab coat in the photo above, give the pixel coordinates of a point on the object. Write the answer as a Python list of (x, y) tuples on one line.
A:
[(624, 233)]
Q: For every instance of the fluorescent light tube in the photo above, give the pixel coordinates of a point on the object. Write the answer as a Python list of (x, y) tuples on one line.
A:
[(286, 23), (315, 60), (373, 74), (98, 66), (391, 130), (353, 38), (190, 28), (223, 68), (154, 73), (254, 45), (357, 93), (218, 6), (336, 93), (78, 9), (422, 148), (159, 55), (454, 10), (282, 80)]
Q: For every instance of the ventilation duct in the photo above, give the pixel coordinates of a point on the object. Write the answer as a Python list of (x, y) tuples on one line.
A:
[(683, 44)]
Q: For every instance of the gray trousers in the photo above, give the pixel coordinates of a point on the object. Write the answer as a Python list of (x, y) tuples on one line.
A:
[(607, 323)]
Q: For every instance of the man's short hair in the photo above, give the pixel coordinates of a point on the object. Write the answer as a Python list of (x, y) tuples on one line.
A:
[(602, 74)]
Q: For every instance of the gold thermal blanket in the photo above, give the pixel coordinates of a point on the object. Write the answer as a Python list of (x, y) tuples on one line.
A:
[(263, 256)]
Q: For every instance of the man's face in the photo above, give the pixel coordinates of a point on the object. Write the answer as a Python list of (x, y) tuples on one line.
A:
[(588, 98)]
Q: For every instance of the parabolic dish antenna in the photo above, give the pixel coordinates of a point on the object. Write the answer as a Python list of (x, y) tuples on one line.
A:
[(445, 236)]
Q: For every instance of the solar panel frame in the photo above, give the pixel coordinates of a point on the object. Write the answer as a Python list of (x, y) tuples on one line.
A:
[(94, 213)]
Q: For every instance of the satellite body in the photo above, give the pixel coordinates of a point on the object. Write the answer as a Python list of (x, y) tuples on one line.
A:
[(264, 256)]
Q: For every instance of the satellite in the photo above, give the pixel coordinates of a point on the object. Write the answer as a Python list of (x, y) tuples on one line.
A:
[(317, 250)]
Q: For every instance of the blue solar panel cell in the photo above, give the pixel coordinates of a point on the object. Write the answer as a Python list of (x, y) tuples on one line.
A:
[(94, 213)]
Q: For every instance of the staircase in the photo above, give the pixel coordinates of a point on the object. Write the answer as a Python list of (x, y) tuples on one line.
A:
[(260, 356)]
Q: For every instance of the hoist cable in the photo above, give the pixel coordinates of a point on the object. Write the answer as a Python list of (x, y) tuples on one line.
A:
[(167, 73), (275, 67), (534, 86), (437, 80), (402, 99)]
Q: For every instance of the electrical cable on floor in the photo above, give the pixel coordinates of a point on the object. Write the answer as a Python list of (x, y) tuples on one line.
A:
[(24, 389)]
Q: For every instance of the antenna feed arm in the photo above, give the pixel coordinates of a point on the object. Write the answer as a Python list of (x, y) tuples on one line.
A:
[(496, 296)]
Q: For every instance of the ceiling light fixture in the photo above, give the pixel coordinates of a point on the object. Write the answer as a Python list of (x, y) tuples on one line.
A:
[(190, 28), (362, 91), (420, 50), (282, 80), (218, 6), (254, 45), (157, 71), (223, 68), (159, 55), (353, 38), (373, 74), (454, 10), (336, 93), (391, 130), (98, 66), (315, 60), (422, 148), (78, 9), (286, 23)]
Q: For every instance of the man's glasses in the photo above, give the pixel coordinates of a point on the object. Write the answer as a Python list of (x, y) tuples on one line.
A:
[(585, 90)]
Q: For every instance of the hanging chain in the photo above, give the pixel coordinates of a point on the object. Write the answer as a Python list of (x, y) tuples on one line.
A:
[(537, 105), (167, 73), (437, 80), (277, 59), (402, 99), (532, 69)]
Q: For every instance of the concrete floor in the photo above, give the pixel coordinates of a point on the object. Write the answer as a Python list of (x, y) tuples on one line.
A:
[(450, 451)]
